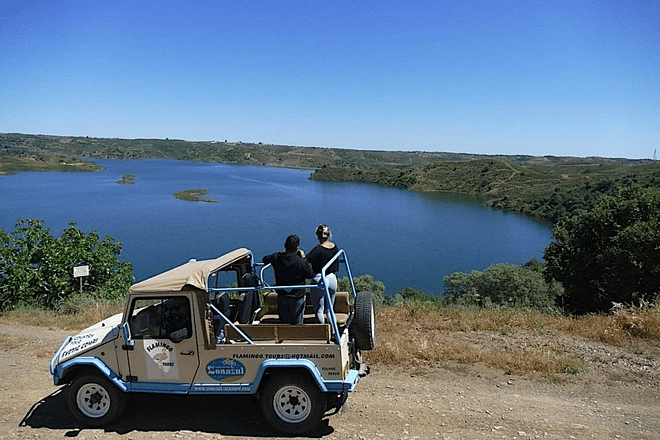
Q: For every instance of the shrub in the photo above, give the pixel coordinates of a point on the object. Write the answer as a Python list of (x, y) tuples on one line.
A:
[(413, 297), (503, 285), (364, 283), (36, 269)]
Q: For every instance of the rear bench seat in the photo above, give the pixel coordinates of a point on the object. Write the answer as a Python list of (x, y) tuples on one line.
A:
[(269, 313), (279, 332)]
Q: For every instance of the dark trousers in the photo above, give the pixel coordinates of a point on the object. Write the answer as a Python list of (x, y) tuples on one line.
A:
[(291, 309)]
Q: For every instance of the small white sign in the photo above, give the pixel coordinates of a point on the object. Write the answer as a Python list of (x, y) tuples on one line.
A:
[(80, 271)]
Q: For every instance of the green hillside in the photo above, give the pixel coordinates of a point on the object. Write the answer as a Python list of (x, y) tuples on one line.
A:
[(546, 187)]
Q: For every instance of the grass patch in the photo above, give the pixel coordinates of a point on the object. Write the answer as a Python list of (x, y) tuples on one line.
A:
[(68, 318), (45, 162), (574, 365), (194, 195), (126, 179), (510, 340)]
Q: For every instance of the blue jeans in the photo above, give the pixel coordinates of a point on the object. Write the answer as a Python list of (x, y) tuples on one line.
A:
[(318, 296)]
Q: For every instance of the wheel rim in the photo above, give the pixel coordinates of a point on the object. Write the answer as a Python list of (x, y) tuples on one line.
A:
[(292, 404), (93, 400)]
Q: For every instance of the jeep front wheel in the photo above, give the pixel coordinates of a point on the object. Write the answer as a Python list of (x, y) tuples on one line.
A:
[(94, 400), (292, 403)]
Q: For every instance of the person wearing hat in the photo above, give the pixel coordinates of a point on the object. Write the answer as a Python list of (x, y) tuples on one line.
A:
[(318, 258), (291, 269)]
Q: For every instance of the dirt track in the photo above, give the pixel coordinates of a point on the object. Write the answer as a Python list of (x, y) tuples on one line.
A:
[(448, 402)]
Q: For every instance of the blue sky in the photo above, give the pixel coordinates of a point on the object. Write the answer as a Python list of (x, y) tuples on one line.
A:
[(575, 78)]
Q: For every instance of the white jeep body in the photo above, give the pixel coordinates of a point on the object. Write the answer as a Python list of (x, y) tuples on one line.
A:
[(173, 337)]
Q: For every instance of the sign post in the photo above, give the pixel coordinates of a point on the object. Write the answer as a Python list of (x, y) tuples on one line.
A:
[(80, 272)]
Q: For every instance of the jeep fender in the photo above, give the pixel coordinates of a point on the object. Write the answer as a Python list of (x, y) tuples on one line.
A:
[(270, 365), (60, 371), (334, 386)]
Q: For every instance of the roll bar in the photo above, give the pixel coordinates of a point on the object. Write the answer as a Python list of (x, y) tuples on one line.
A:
[(322, 284)]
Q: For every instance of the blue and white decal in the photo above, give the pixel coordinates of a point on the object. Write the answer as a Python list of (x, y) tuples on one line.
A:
[(225, 370)]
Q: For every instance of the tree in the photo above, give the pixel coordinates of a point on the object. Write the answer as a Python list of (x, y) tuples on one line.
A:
[(503, 285), (608, 253), (364, 283), (36, 269), (411, 296)]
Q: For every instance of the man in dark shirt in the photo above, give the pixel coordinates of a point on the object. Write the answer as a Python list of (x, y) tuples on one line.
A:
[(291, 268)]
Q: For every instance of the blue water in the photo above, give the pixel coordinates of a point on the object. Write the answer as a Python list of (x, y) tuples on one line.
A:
[(402, 238)]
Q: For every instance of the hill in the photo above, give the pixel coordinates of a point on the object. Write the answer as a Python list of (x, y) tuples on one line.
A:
[(546, 187)]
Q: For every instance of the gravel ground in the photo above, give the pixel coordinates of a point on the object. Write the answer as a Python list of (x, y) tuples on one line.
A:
[(618, 398)]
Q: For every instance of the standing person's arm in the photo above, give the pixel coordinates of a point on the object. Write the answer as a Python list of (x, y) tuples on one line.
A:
[(312, 256), (307, 269)]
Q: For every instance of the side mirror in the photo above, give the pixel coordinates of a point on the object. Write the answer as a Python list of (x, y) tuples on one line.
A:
[(128, 341)]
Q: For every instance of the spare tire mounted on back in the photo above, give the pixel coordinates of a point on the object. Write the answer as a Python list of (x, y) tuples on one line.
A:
[(364, 324)]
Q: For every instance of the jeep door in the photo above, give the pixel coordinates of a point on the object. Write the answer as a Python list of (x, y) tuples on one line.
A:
[(163, 356)]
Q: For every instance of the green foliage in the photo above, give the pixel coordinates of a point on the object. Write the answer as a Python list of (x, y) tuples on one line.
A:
[(410, 294), (126, 179), (412, 297), (574, 365), (36, 269), (194, 195), (364, 283), (609, 253), (503, 285)]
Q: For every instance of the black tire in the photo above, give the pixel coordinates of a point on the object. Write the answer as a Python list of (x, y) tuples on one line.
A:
[(364, 323), (94, 400), (292, 403)]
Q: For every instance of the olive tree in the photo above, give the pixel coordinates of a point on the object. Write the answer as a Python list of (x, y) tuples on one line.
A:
[(503, 285), (608, 253), (36, 269)]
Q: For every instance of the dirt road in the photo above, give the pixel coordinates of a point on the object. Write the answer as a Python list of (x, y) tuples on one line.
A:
[(450, 401)]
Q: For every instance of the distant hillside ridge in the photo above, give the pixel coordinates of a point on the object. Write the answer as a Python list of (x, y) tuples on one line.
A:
[(547, 187)]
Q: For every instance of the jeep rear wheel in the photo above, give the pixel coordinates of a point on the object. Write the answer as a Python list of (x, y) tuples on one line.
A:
[(292, 403), (94, 400), (364, 325)]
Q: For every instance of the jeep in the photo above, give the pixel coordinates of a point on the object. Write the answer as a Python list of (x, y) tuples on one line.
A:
[(211, 327)]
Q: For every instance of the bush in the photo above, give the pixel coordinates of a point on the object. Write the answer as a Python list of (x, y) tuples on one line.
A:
[(413, 297), (364, 283), (609, 253), (36, 269), (503, 285)]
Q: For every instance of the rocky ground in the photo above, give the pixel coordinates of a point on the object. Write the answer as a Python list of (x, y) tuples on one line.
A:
[(617, 398)]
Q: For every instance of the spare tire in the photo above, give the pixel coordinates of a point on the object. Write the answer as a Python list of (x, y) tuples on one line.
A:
[(364, 322)]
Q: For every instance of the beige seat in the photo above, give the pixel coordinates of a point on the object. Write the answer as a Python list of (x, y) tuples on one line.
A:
[(279, 332), (269, 313)]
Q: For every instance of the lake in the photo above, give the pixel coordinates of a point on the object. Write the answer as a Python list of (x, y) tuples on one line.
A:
[(402, 238)]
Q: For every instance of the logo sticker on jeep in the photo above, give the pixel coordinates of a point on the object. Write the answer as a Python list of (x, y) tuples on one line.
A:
[(161, 360), (225, 370)]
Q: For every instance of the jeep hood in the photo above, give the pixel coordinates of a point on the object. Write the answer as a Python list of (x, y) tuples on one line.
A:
[(91, 337)]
